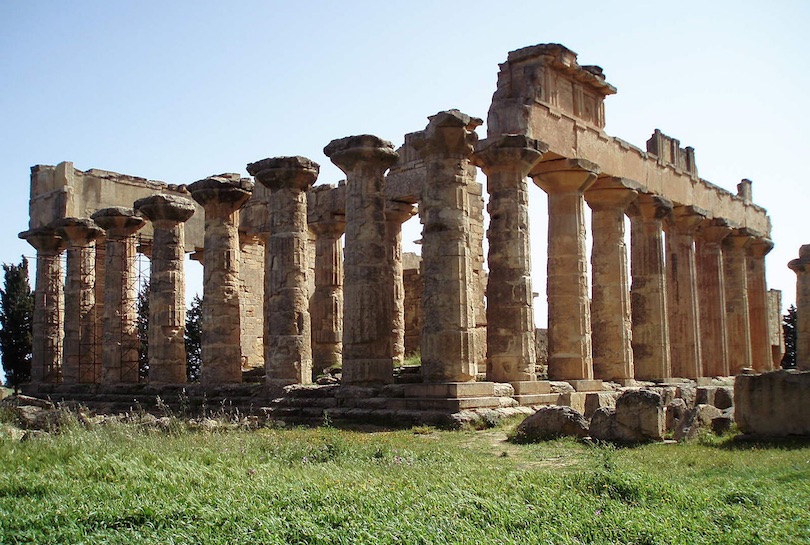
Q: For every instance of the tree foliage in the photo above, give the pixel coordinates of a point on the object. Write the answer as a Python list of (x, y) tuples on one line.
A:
[(789, 329), (193, 339), (143, 331), (16, 320)]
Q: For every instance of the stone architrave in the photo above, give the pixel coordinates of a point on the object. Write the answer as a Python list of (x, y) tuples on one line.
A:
[(682, 292), (47, 321), (569, 309), (221, 197), (326, 305), (120, 343), (801, 267), (611, 324), (506, 160), (712, 296), (738, 324), (167, 297), (758, 304), (397, 213), (79, 363), (287, 329), (648, 295), (448, 301), (367, 337)]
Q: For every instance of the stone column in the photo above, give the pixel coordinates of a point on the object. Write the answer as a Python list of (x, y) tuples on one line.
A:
[(167, 294), (120, 342), (397, 213), (79, 359), (287, 328), (47, 321), (221, 197), (507, 160), (448, 304), (569, 309), (738, 325), (682, 293), (801, 267), (758, 304), (610, 307), (712, 296), (326, 304), (367, 337), (251, 299), (648, 296)]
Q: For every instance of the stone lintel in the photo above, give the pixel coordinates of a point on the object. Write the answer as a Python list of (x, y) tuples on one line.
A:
[(279, 172), (564, 175), (346, 153), (118, 222), (160, 206), (44, 239), (508, 152), (222, 189), (451, 390)]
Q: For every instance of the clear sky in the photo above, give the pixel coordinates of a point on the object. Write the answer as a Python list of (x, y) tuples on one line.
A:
[(179, 90)]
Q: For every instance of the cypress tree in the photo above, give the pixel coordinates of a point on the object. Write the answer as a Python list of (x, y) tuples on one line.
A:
[(16, 319)]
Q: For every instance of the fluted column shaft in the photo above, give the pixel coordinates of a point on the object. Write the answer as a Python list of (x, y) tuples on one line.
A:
[(738, 325), (396, 213), (648, 296), (712, 297), (758, 307), (326, 305), (801, 267)]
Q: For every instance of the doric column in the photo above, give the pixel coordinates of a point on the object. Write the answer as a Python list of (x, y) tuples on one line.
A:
[(251, 298), (610, 307), (47, 323), (79, 360), (287, 333), (682, 294), (712, 296), (100, 294), (396, 213), (448, 304), (758, 307), (326, 304), (801, 267), (120, 343), (569, 309), (648, 296), (507, 160), (167, 294), (221, 197), (738, 325), (367, 338)]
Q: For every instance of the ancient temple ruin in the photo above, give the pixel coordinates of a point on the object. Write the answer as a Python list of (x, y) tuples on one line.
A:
[(301, 276)]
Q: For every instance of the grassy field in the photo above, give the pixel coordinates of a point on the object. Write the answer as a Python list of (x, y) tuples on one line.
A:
[(123, 484)]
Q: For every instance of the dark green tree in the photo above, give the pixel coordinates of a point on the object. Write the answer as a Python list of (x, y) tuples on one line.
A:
[(193, 339), (16, 319), (789, 329), (143, 331)]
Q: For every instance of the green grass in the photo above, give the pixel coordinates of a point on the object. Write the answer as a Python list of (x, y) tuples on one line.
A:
[(122, 484)]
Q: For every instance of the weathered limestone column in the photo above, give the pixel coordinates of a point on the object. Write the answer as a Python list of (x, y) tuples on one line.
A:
[(167, 295), (287, 328), (79, 358), (251, 298), (758, 304), (100, 294), (569, 309), (712, 296), (326, 304), (448, 304), (221, 197), (120, 343), (738, 325), (367, 337), (507, 160), (610, 307), (801, 267), (396, 213), (682, 292), (648, 296), (47, 323)]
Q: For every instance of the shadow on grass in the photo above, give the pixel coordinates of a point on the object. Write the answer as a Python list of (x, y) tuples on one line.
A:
[(750, 442)]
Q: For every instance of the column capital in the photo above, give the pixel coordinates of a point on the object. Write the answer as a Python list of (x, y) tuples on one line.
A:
[(399, 212), (508, 153), (760, 246), (565, 175), (78, 231), (610, 192), (714, 230), (332, 227), (353, 151), (44, 239), (449, 133), (649, 207), (738, 239), (802, 264), (165, 207), (285, 172), (228, 189), (118, 222), (685, 219)]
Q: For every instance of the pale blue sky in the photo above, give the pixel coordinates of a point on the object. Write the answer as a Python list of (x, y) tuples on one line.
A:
[(176, 91)]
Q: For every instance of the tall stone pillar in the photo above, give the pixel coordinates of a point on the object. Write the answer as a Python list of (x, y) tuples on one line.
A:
[(287, 327), (712, 296), (79, 363), (682, 292), (507, 160), (251, 299), (801, 267), (758, 304), (396, 213), (167, 294), (738, 325), (221, 197), (47, 324), (120, 342), (610, 307), (448, 304), (648, 296), (367, 337), (326, 304)]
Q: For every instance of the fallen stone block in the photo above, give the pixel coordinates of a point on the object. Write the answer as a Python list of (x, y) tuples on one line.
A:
[(640, 416), (699, 418), (724, 397), (551, 422), (773, 404)]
